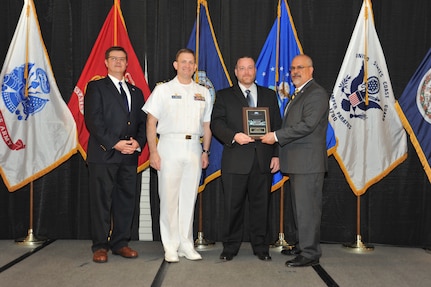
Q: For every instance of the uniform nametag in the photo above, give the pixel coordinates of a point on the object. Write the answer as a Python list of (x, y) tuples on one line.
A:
[(199, 97), (176, 97)]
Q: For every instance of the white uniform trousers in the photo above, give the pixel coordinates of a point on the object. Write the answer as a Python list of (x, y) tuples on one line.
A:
[(179, 177)]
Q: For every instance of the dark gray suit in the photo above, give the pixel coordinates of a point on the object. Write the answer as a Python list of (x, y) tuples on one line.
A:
[(303, 157), (245, 168), (113, 175)]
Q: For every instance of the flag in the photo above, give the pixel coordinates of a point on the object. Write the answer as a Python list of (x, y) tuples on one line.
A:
[(371, 139), (281, 46), (113, 33), (37, 130), (211, 73), (414, 109)]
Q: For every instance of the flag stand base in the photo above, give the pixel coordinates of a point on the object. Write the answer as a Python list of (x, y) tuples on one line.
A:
[(358, 246), (201, 243), (30, 240), (282, 243)]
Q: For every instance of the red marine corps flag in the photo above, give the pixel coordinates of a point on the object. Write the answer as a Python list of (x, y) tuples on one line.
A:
[(113, 33)]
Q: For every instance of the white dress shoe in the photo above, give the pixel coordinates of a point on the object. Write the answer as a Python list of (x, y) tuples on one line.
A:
[(171, 257), (190, 254)]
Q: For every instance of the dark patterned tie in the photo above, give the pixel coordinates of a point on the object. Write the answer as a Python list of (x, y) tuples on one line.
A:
[(249, 98), (123, 94)]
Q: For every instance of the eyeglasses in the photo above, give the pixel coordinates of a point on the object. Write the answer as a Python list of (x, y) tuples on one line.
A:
[(115, 59), (299, 68)]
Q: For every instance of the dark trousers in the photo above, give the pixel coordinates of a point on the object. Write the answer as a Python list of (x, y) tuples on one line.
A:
[(306, 191), (255, 186), (112, 197)]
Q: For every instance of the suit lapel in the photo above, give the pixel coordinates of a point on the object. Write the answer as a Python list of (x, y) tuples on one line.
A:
[(113, 89), (240, 96), (297, 97), (132, 91)]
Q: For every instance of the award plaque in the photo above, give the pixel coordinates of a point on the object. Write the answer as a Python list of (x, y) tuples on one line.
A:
[(256, 121)]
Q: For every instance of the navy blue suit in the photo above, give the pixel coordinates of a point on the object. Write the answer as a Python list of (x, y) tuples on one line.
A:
[(113, 175)]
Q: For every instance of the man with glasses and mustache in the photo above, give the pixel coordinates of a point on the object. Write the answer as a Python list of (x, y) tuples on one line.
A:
[(303, 157)]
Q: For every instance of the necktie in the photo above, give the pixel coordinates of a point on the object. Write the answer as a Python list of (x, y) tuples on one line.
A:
[(292, 97), (123, 94), (295, 93), (249, 98)]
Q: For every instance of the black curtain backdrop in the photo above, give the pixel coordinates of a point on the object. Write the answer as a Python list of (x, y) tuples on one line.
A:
[(395, 211)]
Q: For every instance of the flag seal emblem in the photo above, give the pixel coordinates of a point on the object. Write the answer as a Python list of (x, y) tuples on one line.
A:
[(283, 90), (355, 91), (206, 82), (423, 98), (13, 91)]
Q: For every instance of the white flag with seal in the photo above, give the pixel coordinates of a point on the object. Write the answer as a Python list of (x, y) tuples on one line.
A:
[(37, 130), (371, 138)]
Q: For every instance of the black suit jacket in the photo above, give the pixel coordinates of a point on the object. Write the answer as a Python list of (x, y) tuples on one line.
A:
[(108, 120), (227, 120)]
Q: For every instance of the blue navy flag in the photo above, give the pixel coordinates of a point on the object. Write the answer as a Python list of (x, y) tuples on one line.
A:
[(273, 64), (213, 74), (414, 109)]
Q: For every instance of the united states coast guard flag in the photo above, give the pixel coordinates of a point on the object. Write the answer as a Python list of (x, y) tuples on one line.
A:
[(415, 111), (38, 132), (273, 64), (371, 138), (113, 33), (211, 73)]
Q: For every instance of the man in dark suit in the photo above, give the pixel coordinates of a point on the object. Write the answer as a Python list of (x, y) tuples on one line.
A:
[(116, 124), (303, 157), (247, 163)]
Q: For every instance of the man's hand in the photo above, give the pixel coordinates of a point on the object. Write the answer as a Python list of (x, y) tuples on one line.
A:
[(242, 138), (269, 138), (127, 146), (275, 164)]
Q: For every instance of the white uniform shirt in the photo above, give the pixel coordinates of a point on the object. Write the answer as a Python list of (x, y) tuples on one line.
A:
[(179, 108)]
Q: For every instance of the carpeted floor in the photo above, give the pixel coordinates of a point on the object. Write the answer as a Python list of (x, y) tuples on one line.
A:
[(69, 263)]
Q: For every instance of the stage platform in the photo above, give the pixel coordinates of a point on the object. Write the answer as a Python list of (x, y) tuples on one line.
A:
[(63, 263)]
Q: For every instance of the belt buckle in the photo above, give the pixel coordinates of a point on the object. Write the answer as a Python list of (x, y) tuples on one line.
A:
[(188, 137)]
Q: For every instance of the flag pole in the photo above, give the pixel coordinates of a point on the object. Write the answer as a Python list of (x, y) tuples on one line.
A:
[(358, 246), (197, 40), (200, 243), (281, 242), (117, 6), (30, 239)]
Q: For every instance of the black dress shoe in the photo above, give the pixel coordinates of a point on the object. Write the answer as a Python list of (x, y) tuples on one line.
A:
[(293, 251), (226, 256), (263, 256), (301, 261)]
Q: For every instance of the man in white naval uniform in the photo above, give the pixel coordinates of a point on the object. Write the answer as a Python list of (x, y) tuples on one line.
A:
[(180, 112)]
